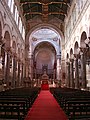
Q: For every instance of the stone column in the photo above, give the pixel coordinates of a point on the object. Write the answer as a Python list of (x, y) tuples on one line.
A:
[(18, 79), (83, 68), (22, 74), (76, 73), (3, 66), (31, 67), (55, 68), (68, 75), (58, 68), (7, 68), (24, 71), (27, 69), (71, 74), (5, 62), (54, 71), (14, 72), (35, 73)]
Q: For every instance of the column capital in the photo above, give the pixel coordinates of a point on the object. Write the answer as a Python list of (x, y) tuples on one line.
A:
[(58, 56), (87, 42), (83, 50), (76, 56), (19, 61), (71, 59), (8, 49), (68, 62), (15, 54)]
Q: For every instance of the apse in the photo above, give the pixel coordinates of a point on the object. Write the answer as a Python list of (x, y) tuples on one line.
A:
[(44, 55), (44, 49)]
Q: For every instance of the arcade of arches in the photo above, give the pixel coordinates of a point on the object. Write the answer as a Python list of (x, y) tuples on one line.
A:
[(58, 44)]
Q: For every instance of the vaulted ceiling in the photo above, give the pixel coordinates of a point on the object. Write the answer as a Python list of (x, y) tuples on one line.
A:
[(45, 9)]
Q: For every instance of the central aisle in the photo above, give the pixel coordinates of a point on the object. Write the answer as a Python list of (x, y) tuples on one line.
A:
[(45, 107)]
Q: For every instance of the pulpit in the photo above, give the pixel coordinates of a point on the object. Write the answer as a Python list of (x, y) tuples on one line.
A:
[(44, 81)]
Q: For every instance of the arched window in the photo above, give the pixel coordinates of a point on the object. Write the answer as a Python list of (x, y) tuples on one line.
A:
[(12, 5), (76, 48), (17, 17), (74, 15), (23, 34), (9, 3), (81, 4), (15, 12), (78, 6), (14, 46), (20, 25)]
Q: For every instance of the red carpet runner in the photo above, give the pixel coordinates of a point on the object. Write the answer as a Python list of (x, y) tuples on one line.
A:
[(45, 87), (45, 107)]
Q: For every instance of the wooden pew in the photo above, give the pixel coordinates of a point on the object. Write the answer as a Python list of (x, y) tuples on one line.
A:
[(78, 109), (14, 99), (75, 103), (15, 103), (12, 109), (28, 99)]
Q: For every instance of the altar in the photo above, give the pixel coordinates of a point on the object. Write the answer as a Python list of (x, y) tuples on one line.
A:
[(44, 81)]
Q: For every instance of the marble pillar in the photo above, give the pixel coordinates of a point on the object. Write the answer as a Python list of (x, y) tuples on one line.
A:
[(54, 72), (14, 72), (71, 74), (22, 75), (76, 73), (58, 69), (18, 79), (68, 75), (7, 69), (83, 70)]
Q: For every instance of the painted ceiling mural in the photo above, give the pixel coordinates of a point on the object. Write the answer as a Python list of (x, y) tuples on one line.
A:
[(47, 35)]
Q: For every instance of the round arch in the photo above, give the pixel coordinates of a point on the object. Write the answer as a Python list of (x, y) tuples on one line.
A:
[(82, 40), (7, 39), (14, 46), (29, 43), (8, 30), (67, 56), (44, 53), (56, 50), (48, 46), (76, 48), (14, 42), (71, 53), (19, 52), (43, 26)]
